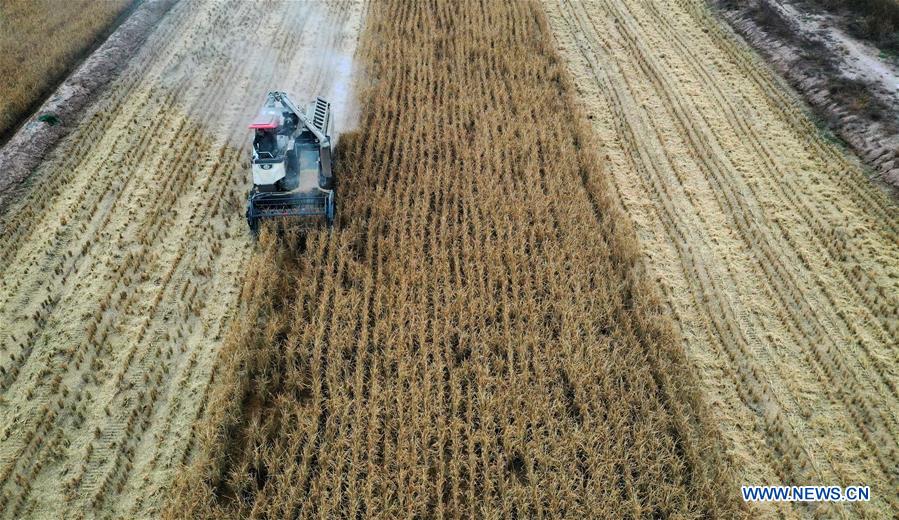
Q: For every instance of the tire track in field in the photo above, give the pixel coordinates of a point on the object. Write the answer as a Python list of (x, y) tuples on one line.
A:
[(791, 336), (779, 97), (762, 233), (122, 265), (706, 283), (874, 400), (736, 115)]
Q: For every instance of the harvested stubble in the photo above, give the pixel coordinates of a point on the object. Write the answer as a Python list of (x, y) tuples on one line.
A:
[(120, 265), (477, 337), (776, 253)]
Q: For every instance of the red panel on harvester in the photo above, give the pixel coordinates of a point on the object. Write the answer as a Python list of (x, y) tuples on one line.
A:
[(265, 122)]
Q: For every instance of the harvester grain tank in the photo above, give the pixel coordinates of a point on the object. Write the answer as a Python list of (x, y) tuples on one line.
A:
[(291, 162)]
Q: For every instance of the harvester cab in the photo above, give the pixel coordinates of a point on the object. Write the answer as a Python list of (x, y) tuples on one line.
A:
[(291, 162)]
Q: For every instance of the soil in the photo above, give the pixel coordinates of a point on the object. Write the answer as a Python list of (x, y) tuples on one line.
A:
[(122, 258), (777, 255), (851, 85)]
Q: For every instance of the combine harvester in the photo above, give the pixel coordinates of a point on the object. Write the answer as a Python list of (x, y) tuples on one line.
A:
[(292, 174)]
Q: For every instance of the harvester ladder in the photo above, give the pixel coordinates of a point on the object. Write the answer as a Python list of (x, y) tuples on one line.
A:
[(320, 114)]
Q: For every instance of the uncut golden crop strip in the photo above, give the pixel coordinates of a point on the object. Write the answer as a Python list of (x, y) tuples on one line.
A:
[(121, 266), (777, 255), (39, 41), (475, 338)]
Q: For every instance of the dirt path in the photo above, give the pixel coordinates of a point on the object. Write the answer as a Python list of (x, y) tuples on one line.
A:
[(120, 269), (849, 83), (779, 260)]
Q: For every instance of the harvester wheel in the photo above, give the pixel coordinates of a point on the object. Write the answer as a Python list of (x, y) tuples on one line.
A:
[(333, 214)]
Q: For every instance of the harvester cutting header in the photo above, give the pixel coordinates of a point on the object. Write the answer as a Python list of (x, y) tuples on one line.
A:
[(292, 174)]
